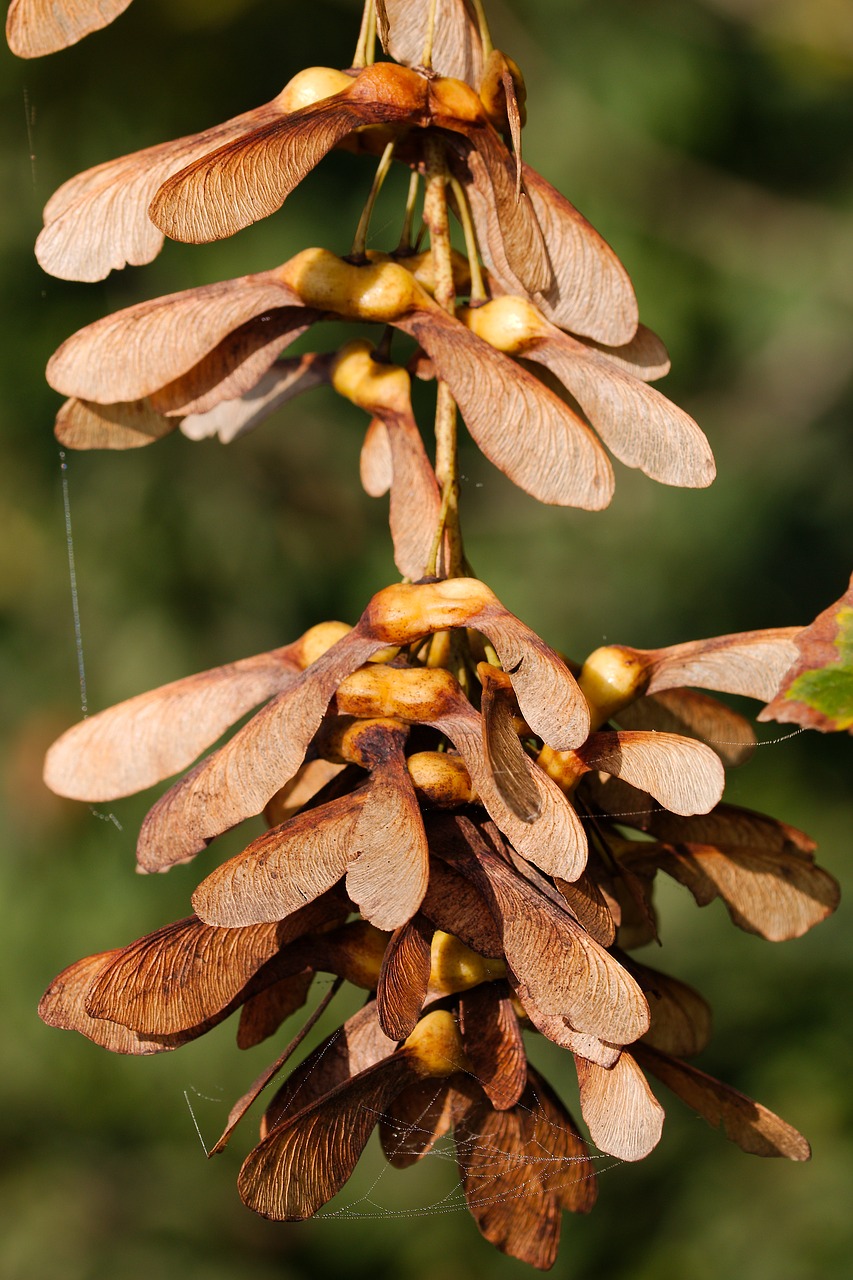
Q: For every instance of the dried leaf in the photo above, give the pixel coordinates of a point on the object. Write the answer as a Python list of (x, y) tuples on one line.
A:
[(306, 1159), (141, 349), (755, 1129), (639, 426), (242, 777), (493, 1045), (556, 458), (232, 418), (684, 775), (695, 715), (456, 48), (404, 978), (80, 424), (37, 27), (284, 868), (150, 737), (818, 690), (622, 1114)]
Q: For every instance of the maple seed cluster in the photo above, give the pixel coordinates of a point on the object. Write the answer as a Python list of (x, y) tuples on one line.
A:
[(461, 821)]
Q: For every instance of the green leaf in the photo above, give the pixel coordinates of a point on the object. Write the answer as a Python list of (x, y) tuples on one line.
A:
[(818, 690)]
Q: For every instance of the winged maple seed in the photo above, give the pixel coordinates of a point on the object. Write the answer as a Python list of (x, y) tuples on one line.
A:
[(461, 823)]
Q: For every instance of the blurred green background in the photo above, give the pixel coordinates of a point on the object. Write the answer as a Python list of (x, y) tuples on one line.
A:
[(711, 141)]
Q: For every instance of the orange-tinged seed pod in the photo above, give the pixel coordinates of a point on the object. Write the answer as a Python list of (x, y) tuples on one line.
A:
[(412, 694), (441, 778), (318, 639), (400, 614), (493, 93)]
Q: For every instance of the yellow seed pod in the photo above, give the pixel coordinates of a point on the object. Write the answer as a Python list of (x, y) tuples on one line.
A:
[(369, 383), (441, 778), (566, 768), (312, 85), (422, 267), (436, 1045), (509, 324), (455, 967), (366, 949), (493, 93), (381, 291), (610, 679), (402, 613), (414, 695), (320, 638)]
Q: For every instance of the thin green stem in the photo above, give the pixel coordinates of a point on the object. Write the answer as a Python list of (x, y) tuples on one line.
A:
[(360, 56), (482, 23), (404, 248), (426, 60), (359, 242), (478, 288)]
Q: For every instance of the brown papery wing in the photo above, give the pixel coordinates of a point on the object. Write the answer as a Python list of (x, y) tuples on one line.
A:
[(250, 177), (242, 777), (683, 774), (283, 868), (81, 424), (404, 978), (521, 426), (152, 736), (98, 222), (696, 715), (622, 1114), (504, 752), (305, 1160), (37, 27), (681, 1018), (751, 663), (755, 1129), (493, 1045), (456, 47), (128, 355), (387, 876), (639, 426), (232, 418), (415, 498), (415, 1120)]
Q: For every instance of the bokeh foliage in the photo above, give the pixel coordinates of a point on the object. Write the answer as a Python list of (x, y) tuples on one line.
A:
[(709, 141)]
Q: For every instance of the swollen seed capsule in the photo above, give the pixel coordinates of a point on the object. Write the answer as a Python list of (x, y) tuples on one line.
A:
[(441, 779), (367, 382), (380, 291), (612, 678), (415, 695), (402, 613), (312, 85), (509, 324), (455, 967), (436, 1045), (320, 638)]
